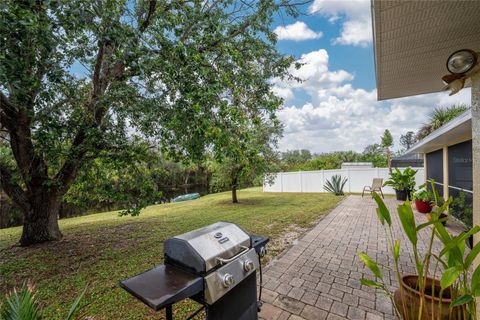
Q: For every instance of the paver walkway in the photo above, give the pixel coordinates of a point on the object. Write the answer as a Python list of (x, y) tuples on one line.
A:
[(319, 276)]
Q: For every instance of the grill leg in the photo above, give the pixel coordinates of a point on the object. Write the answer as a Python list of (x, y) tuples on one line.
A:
[(169, 313)]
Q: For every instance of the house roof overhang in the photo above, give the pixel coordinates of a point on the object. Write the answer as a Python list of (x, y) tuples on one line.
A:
[(413, 40), (455, 131)]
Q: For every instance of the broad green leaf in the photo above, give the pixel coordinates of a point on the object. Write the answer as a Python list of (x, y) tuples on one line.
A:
[(380, 217), (449, 277), (476, 282), (454, 256), (433, 221), (372, 265), (371, 283), (472, 255), (442, 233), (461, 300), (382, 209), (396, 250), (459, 239), (408, 222)]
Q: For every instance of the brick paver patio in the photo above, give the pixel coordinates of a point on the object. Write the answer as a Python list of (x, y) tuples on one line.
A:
[(318, 277)]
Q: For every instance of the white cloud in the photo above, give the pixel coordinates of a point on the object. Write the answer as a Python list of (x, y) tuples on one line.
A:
[(357, 26), (352, 8), (314, 76), (341, 117), (283, 92), (356, 32), (297, 31)]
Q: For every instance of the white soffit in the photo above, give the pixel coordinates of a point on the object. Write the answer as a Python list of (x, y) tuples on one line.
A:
[(413, 40), (456, 131)]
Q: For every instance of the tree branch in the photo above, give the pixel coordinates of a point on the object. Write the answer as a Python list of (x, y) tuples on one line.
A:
[(151, 10), (12, 189)]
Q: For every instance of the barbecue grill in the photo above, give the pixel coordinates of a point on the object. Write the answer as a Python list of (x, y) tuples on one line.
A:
[(214, 265)]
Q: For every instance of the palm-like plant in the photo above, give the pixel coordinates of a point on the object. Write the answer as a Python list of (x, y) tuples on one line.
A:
[(335, 185), (439, 117), (22, 305)]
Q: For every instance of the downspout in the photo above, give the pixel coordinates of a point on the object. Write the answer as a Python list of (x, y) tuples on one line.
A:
[(476, 162)]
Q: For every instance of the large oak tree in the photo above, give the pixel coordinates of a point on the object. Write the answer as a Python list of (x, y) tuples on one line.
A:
[(78, 78)]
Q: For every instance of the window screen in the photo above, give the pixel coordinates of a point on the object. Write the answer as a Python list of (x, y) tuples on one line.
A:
[(460, 165), (435, 168), (460, 177)]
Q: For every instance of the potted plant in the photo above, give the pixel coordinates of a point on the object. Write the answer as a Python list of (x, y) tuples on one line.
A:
[(402, 182), (442, 287), (437, 202), (423, 200)]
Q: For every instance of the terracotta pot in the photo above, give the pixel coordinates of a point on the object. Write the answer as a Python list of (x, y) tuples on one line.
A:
[(408, 301), (423, 206)]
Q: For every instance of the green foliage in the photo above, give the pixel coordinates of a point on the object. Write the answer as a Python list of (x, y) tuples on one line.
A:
[(249, 153), (402, 180), (80, 78), (422, 194), (109, 248), (295, 157), (407, 140), (335, 185), (407, 219), (452, 258), (387, 139), (126, 180), (382, 210), (332, 160), (439, 117), (462, 208), (22, 305), (370, 264)]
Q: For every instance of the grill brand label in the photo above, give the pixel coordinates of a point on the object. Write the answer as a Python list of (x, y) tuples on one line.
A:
[(223, 240)]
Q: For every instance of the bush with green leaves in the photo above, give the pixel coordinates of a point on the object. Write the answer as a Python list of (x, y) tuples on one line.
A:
[(21, 305), (451, 265), (335, 185), (422, 194), (402, 180)]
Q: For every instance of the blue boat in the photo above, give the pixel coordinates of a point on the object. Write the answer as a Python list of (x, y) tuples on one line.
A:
[(186, 197)]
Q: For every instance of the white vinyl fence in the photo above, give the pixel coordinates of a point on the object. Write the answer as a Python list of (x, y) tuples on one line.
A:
[(313, 181)]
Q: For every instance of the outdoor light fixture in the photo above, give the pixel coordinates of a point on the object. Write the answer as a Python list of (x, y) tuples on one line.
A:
[(461, 64), (461, 61)]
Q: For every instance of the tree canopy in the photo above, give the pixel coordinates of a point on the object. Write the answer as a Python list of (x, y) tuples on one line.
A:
[(81, 78), (407, 140)]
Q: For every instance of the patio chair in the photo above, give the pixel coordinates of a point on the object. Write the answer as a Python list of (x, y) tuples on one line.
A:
[(376, 186)]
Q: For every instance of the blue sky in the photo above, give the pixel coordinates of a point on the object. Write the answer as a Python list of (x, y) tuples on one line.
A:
[(335, 108)]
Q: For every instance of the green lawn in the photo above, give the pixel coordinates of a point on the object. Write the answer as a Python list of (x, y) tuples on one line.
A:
[(101, 249)]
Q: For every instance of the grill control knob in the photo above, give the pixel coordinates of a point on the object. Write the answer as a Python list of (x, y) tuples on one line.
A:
[(248, 265), (228, 280)]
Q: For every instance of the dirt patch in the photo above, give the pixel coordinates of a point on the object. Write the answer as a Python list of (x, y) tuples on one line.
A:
[(283, 241), (278, 246)]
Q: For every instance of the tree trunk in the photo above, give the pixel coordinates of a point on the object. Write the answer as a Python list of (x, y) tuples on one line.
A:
[(234, 190), (41, 220), (389, 161)]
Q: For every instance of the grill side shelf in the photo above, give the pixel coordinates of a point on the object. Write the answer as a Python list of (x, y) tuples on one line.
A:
[(163, 286)]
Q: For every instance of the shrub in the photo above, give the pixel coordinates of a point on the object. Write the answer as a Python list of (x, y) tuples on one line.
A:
[(335, 185)]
